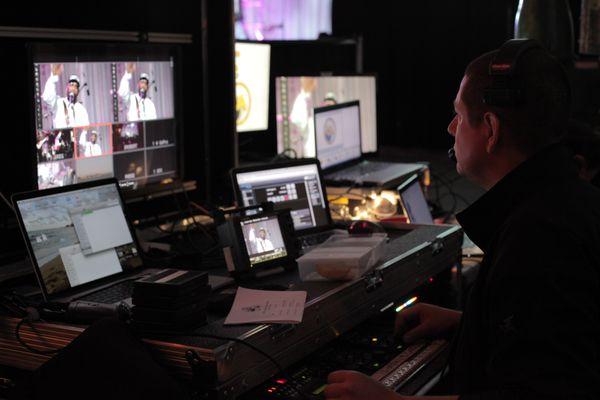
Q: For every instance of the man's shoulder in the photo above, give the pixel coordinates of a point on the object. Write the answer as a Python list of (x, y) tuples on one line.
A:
[(555, 222)]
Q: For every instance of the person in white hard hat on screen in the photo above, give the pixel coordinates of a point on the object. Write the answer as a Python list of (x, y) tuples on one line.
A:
[(67, 111), (139, 106)]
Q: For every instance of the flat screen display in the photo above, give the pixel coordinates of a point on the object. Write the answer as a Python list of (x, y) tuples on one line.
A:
[(296, 97), (100, 115)]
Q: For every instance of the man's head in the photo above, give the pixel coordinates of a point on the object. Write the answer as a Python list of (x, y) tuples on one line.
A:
[(491, 140), (94, 137), (308, 84), (143, 84), (73, 88), (262, 233)]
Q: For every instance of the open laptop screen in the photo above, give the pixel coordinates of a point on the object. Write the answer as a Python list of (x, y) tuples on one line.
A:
[(413, 201), (337, 130), (78, 236), (297, 187)]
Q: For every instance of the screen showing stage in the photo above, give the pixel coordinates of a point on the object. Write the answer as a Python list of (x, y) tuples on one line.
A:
[(298, 96), (104, 115), (252, 62)]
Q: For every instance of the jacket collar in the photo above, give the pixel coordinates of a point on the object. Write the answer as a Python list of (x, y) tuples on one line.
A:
[(482, 219)]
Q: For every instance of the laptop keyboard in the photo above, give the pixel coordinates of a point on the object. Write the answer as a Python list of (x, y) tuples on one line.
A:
[(369, 167), (315, 239), (360, 170), (112, 294)]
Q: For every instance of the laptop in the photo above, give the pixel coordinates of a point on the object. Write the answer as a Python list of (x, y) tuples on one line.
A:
[(338, 148), (413, 201), (297, 185), (80, 243)]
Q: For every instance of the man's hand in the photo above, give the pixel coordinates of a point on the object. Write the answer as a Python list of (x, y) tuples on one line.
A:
[(352, 385), (426, 321), (57, 69), (130, 67)]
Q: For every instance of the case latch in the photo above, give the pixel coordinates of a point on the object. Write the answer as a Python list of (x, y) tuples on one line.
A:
[(373, 280)]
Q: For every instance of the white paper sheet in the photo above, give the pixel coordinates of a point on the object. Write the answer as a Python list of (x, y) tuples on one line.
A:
[(266, 306)]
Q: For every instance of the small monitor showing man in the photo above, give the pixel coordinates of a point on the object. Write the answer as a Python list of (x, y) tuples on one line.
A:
[(263, 238)]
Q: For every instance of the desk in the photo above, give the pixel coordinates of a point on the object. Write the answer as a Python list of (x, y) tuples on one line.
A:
[(332, 308)]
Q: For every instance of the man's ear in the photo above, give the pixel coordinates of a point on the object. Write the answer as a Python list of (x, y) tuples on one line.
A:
[(492, 124)]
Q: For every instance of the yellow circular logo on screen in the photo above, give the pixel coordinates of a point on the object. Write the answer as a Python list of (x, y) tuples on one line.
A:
[(243, 103), (329, 130)]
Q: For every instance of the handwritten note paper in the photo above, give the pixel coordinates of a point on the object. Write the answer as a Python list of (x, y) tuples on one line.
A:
[(266, 306)]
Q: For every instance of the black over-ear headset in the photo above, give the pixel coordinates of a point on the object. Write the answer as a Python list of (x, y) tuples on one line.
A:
[(505, 92)]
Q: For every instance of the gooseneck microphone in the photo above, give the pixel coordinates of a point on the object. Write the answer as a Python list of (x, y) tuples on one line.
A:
[(452, 154)]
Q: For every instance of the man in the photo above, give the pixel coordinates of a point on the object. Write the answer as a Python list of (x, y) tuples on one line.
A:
[(139, 106), (91, 148), (67, 111), (262, 243), (302, 116), (531, 325)]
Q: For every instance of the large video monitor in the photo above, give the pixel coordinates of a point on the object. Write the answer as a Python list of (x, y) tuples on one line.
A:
[(252, 66), (298, 96), (105, 111)]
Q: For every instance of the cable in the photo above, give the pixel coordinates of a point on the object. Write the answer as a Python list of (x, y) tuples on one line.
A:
[(280, 369), (22, 342), (284, 155), (262, 353), (7, 202), (353, 186)]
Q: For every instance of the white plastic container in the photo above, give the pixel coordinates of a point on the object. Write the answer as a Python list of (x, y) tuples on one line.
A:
[(342, 257)]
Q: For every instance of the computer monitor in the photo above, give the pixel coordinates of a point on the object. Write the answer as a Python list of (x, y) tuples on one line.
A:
[(297, 96), (296, 185), (252, 66), (77, 235), (105, 111), (337, 132)]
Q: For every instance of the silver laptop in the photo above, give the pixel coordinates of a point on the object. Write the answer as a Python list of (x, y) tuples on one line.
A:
[(338, 148), (80, 243)]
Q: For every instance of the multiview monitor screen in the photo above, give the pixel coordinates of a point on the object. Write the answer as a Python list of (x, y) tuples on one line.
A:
[(101, 115), (252, 62), (298, 96)]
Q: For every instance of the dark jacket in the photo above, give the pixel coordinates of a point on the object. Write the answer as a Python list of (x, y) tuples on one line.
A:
[(531, 326)]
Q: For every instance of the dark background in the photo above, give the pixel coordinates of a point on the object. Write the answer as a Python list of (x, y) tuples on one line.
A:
[(417, 49)]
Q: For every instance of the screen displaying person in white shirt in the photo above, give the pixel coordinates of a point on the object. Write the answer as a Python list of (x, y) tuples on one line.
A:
[(67, 111), (139, 106), (302, 115), (91, 147), (260, 243)]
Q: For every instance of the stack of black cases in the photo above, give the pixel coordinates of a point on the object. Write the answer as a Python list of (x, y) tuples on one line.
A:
[(171, 299)]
